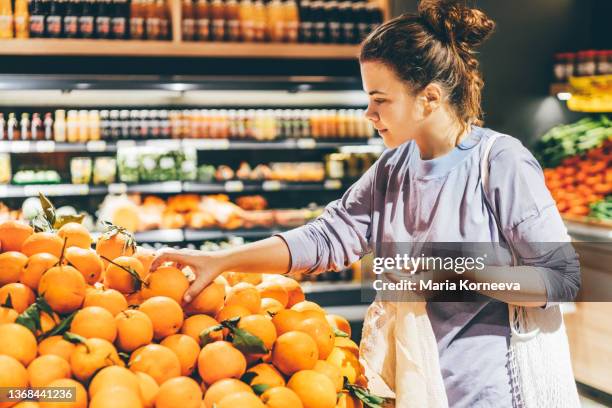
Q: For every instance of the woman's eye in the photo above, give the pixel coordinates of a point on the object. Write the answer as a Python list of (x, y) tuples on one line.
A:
[(379, 101)]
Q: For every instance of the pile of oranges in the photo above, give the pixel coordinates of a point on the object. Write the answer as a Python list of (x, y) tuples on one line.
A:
[(100, 322)]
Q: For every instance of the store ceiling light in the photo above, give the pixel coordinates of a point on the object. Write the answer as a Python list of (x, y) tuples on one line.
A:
[(564, 96)]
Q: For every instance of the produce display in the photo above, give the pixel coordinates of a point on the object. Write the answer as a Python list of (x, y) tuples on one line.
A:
[(101, 322), (199, 212), (578, 161)]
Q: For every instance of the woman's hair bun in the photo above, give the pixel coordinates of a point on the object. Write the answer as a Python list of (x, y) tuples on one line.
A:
[(456, 23)]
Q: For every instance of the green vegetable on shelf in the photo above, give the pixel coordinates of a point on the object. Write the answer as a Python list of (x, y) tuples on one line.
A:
[(602, 210)]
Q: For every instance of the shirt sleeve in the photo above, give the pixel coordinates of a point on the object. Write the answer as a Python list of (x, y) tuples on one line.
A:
[(339, 236), (530, 220)]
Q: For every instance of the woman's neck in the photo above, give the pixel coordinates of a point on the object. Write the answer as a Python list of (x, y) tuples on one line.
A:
[(440, 139)]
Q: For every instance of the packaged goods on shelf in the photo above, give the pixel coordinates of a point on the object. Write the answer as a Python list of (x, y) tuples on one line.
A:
[(582, 63), (151, 164)]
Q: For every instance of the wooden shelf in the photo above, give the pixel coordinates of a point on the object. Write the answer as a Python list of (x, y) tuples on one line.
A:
[(127, 48)]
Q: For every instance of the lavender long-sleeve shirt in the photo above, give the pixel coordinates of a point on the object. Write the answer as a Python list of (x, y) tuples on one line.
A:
[(403, 198)]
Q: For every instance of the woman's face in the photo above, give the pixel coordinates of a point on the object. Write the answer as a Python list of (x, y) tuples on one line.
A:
[(392, 108)]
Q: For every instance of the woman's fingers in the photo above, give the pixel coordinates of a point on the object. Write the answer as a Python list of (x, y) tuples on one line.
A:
[(168, 255), (202, 280)]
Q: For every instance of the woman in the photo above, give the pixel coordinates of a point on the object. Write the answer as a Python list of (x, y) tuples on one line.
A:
[(424, 91)]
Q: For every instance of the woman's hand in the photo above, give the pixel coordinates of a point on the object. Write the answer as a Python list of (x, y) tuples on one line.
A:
[(206, 267)]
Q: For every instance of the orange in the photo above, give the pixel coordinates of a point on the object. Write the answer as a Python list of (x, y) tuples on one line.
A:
[(91, 356), (94, 321), (8, 315), (75, 234), (21, 296), (47, 322), (110, 299), (294, 290), (115, 245), (117, 277), (11, 264), (56, 345), (13, 234), (63, 287), (321, 332), (274, 290), (347, 344), (12, 375), (80, 400), (294, 351), (209, 301), (44, 369), (347, 363), (148, 389), (156, 360), (281, 397), (37, 265), (332, 372), (242, 400), (116, 397), (228, 386), (87, 261), (43, 242), (134, 299), (246, 295), (145, 256), (308, 306), (113, 376), (339, 322), (220, 360), (165, 314), (231, 311), (260, 327), (348, 401), (270, 306), (266, 374), (286, 320), (314, 389), (18, 342), (165, 281), (196, 324), (186, 349), (134, 330), (181, 392)]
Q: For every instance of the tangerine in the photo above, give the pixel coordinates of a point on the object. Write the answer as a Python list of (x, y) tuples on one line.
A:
[(186, 349), (165, 314), (80, 398), (75, 234), (157, 361), (179, 392), (294, 351), (21, 296), (110, 299), (11, 264), (134, 330), (43, 242), (281, 397), (91, 356), (314, 389), (228, 386), (56, 345), (13, 234), (117, 276), (209, 301), (220, 360), (94, 321), (44, 369), (87, 261), (165, 281), (35, 267), (63, 287), (18, 342)]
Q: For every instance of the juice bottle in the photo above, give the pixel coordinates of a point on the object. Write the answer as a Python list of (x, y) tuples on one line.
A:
[(292, 21), (232, 15), (86, 20), (218, 16), (275, 24), (48, 125), (247, 24), (53, 22), (83, 126), (119, 19), (202, 20), (102, 19), (306, 23), (260, 19), (71, 20), (164, 19), (12, 128), (59, 127), (72, 127), (22, 24), (153, 22), (36, 127), (6, 19), (137, 21), (188, 23), (25, 126), (37, 19)]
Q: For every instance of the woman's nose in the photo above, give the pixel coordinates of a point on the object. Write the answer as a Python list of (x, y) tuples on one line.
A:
[(371, 114)]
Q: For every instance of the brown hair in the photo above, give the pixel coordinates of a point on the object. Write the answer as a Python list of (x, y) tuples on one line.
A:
[(435, 45)]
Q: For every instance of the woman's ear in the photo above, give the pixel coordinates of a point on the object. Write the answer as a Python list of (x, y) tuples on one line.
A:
[(430, 99)]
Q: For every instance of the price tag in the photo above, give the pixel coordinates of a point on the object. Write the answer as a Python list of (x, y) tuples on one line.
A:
[(47, 146), (56, 190), (332, 184), (171, 144), (171, 187), (20, 147), (234, 186), (117, 188), (271, 185), (306, 143), (125, 143), (96, 146), (207, 144)]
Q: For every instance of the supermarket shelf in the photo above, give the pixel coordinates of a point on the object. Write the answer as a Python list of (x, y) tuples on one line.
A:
[(110, 48), (590, 233), (192, 235), (20, 146)]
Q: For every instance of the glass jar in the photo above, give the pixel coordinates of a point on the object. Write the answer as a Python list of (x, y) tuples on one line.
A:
[(105, 170), (80, 170)]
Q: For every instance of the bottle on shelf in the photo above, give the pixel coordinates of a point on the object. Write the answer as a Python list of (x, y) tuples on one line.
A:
[(86, 19), (22, 17), (53, 21), (188, 23), (71, 19), (259, 18), (24, 125), (202, 15), (2, 126), (36, 127), (94, 125), (306, 34), (102, 19), (37, 19), (59, 126), (232, 15), (12, 127), (119, 23), (48, 125), (292, 21), (247, 22), (319, 24), (275, 25), (218, 18), (347, 23), (6, 19), (164, 19), (153, 22), (114, 125), (362, 17), (333, 22), (72, 127), (137, 20)]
